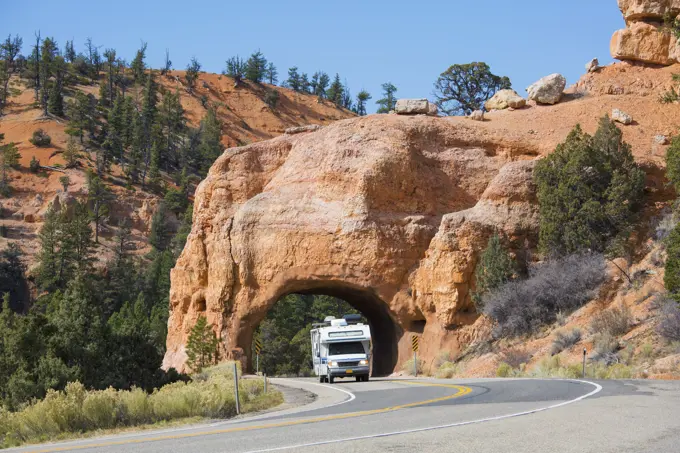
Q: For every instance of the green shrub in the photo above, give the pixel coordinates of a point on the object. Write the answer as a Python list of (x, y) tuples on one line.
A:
[(100, 408), (495, 268), (446, 370), (503, 370), (34, 165), (407, 367), (40, 138)]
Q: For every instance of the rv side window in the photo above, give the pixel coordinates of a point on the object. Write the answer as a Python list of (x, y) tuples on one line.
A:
[(351, 347)]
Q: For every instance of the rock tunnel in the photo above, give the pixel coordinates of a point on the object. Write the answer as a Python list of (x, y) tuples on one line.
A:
[(385, 332)]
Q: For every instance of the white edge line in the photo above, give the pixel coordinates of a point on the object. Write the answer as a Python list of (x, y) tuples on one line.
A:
[(598, 388)]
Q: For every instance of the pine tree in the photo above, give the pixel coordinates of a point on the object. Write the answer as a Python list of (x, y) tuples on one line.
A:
[(335, 91), (71, 153), (138, 65), (304, 83), (171, 117), (98, 198), (210, 147), (161, 234), (388, 101), (362, 97), (673, 163), (154, 166), (293, 82), (202, 345), (191, 74), (495, 268), (236, 69), (55, 104), (110, 55), (48, 54), (272, 74), (69, 52), (167, 66), (322, 86), (9, 49), (81, 115), (256, 67), (346, 97)]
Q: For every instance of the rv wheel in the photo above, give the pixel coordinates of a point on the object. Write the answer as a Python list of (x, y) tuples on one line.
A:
[(330, 379), (322, 379)]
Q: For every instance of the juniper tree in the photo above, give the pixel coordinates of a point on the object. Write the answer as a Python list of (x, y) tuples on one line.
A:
[(494, 269), (388, 101), (201, 345), (590, 192), (464, 88), (191, 74), (362, 97)]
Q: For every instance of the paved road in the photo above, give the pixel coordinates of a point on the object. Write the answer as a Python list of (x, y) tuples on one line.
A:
[(436, 416)]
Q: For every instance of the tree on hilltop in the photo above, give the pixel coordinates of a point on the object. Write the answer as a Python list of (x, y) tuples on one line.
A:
[(256, 67), (272, 74), (362, 97), (388, 101), (191, 74), (236, 69), (464, 88)]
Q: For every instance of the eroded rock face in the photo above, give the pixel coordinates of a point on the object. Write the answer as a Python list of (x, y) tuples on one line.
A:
[(645, 38), (388, 212)]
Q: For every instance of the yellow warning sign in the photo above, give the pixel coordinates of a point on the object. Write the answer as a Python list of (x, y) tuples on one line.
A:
[(258, 347), (414, 342)]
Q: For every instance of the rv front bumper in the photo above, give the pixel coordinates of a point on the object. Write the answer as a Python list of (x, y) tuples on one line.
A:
[(349, 371)]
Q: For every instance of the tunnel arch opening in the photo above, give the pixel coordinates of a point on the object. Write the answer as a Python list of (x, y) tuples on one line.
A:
[(385, 331)]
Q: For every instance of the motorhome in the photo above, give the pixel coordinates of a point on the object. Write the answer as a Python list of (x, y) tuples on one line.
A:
[(341, 349)]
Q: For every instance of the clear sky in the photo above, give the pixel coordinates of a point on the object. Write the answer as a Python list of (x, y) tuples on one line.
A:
[(367, 42)]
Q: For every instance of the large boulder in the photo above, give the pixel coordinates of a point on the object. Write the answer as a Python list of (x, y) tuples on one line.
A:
[(362, 209), (548, 90), (645, 39), (504, 99), (412, 107)]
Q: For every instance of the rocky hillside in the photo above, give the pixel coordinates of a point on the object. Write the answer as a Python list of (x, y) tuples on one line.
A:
[(245, 116), (392, 212)]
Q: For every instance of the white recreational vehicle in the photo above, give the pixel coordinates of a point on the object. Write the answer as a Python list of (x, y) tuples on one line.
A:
[(341, 348)]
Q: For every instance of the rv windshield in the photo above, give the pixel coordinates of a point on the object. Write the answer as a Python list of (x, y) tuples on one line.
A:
[(351, 347)]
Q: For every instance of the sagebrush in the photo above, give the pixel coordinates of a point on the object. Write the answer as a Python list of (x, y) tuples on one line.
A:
[(556, 286)]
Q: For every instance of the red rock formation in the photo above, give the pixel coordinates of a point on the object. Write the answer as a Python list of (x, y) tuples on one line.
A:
[(386, 212)]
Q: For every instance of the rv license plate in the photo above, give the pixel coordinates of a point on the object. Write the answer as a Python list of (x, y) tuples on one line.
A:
[(349, 371)]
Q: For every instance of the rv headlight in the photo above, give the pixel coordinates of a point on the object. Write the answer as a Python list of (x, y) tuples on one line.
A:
[(331, 363), (363, 362)]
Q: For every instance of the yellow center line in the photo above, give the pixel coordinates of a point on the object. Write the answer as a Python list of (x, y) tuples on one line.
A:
[(462, 391)]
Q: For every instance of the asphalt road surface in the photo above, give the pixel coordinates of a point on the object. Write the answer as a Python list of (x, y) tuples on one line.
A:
[(509, 415)]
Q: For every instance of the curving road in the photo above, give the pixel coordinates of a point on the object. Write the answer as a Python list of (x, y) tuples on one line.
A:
[(509, 415)]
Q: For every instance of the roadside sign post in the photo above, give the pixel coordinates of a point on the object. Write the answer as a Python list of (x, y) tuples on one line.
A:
[(258, 349), (265, 382), (238, 404), (414, 347), (584, 363)]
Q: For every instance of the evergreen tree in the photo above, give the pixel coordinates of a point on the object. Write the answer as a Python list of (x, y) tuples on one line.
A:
[(589, 190), (293, 82), (167, 66), (47, 55), (272, 74), (202, 345), (111, 66), (9, 49), (335, 91), (322, 84), (210, 147), (671, 278), (98, 199), (191, 74), (138, 65), (9, 158), (13, 279), (161, 232), (494, 269), (69, 52), (304, 83), (256, 67), (154, 166), (173, 122), (236, 69), (81, 113), (362, 97), (346, 101), (464, 88), (71, 153), (673, 163), (55, 103), (4, 85), (388, 101)]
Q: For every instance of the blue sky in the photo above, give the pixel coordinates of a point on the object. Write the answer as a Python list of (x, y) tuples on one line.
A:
[(367, 42)]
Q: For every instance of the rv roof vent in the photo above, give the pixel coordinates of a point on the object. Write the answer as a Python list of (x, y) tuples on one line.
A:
[(338, 322), (328, 318)]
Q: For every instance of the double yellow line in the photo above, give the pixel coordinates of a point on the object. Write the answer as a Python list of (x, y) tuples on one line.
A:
[(461, 391)]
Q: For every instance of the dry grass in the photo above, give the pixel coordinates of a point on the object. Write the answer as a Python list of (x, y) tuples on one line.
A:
[(76, 411)]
